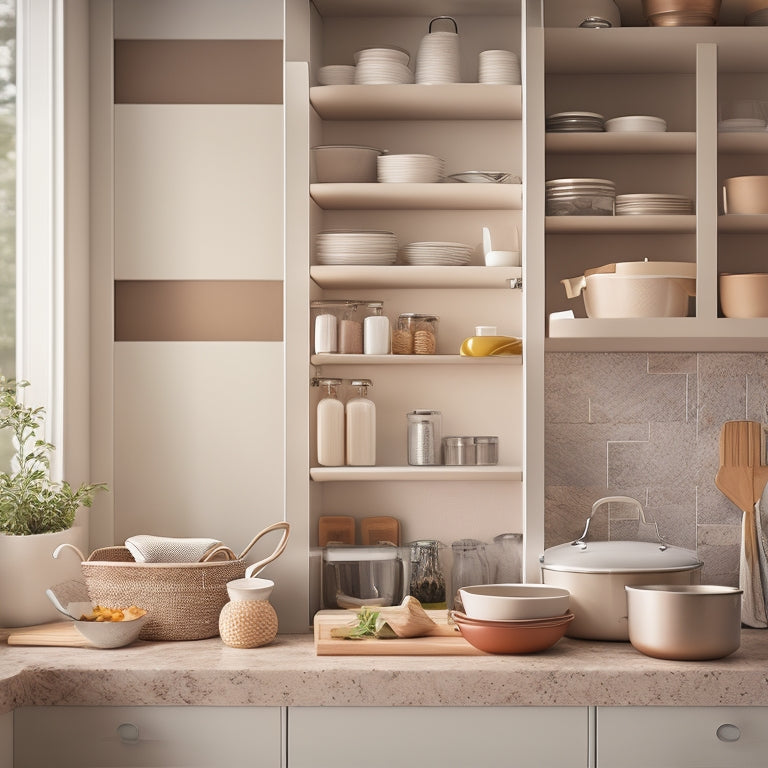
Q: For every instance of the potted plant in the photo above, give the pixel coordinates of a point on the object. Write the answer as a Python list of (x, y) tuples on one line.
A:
[(37, 513)]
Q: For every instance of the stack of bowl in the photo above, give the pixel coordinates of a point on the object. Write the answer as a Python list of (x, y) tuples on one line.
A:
[(513, 618), (413, 169), (681, 13), (580, 197), (386, 65)]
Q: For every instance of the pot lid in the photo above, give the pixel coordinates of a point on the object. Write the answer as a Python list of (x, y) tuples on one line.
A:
[(618, 557)]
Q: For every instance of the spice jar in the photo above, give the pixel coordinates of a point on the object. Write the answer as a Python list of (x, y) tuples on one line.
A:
[(424, 430), (415, 335)]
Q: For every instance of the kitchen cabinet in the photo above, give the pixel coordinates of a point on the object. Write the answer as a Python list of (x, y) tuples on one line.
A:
[(6, 740), (681, 737), (692, 72), (322, 737), (471, 126), (204, 737)]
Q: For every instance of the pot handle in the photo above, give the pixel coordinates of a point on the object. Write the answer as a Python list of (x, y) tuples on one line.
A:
[(446, 18), (581, 541)]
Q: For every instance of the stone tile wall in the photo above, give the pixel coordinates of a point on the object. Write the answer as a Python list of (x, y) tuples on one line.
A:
[(648, 426)]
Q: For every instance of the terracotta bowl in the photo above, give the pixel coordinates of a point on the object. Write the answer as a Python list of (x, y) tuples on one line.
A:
[(512, 637)]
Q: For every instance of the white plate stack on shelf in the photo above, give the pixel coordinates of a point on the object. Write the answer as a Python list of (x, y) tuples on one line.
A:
[(336, 74), (409, 169), (386, 65), (575, 122), (654, 205), (499, 68), (437, 254), (356, 247)]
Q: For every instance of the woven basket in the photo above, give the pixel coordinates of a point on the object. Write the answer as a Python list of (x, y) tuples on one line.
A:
[(183, 600)]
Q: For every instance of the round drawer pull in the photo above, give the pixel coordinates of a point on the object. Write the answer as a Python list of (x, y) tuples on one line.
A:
[(129, 733), (728, 732)]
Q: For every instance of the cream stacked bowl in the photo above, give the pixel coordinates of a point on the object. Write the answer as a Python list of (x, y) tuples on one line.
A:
[(382, 66), (499, 68), (412, 169)]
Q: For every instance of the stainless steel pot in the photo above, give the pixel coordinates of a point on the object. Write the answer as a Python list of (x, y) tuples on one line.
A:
[(596, 574), (685, 622)]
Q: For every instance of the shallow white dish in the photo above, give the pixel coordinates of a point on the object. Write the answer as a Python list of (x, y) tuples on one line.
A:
[(512, 602), (641, 123), (111, 634)]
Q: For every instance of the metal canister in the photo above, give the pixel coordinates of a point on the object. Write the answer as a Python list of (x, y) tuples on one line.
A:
[(486, 450), (458, 451), (424, 447)]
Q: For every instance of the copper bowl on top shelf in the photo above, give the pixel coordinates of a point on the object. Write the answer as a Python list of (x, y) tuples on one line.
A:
[(681, 13)]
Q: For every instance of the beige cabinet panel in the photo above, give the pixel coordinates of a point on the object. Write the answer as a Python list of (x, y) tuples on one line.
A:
[(682, 737), (379, 737), (6, 740), (193, 737), (198, 192)]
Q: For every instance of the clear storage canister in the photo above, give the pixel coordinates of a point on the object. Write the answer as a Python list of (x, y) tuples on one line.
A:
[(337, 326), (415, 335), (424, 442)]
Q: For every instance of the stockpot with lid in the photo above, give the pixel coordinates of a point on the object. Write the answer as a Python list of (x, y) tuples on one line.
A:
[(596, 573)]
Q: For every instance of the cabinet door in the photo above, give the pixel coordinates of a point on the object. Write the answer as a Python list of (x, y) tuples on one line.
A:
[(682, 737), (105, 737), (380, 737), (6, 740)]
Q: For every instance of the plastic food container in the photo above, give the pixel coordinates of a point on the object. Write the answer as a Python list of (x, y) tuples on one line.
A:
[(345, 163), (415, 335)]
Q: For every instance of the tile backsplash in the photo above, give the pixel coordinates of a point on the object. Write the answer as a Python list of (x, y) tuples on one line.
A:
[(647, 425)]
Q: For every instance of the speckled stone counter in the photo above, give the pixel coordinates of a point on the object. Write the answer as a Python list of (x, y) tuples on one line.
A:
[(288, 673)]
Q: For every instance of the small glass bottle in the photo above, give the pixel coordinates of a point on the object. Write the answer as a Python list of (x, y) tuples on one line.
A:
[(361, 427), (376, 332), (427, 581), (330, 426)]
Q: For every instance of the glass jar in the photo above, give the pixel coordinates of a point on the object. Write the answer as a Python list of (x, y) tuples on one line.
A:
[(470, 564), (507, 558), (424, 444), (415, 335), (337, 326), (427, 579)]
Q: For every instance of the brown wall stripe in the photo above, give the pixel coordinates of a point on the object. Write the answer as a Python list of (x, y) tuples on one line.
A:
[(198, 310), (198, 71)]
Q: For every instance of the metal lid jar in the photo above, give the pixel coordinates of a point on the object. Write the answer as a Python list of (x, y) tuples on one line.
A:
[(415, 334)]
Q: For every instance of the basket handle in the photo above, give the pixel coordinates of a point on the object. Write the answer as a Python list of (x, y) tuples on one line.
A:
[(254, 569), (67, 545), (221, 549)]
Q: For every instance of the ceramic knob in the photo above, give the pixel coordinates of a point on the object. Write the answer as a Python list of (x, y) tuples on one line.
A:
[(247, 623)]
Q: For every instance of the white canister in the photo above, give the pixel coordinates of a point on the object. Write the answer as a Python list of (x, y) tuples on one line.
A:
[(326, 340), (376, 331), (361, 427), (330, 426)]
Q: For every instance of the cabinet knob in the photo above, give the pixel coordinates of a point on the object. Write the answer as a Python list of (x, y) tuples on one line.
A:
[(129, 733), (728, 732)]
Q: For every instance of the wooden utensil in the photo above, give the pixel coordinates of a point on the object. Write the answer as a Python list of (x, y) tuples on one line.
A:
[(374, 530), (735, 477), (60, 633)]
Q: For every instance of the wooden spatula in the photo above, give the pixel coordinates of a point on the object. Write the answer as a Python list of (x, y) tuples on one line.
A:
[(735, 477)]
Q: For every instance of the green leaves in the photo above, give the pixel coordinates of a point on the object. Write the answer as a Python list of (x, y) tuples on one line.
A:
[(30, 502)]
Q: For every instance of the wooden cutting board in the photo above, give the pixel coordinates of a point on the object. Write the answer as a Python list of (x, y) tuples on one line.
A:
[(449, 643), (59, 633)]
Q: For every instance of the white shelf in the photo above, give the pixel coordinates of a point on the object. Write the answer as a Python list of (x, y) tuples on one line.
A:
[(650, 225), (415, 360), (456, 101), (658, 334), (448, 196), (742, 143), (618, 142), (442, 473), (743, 223), (407, 276), (422, 8)]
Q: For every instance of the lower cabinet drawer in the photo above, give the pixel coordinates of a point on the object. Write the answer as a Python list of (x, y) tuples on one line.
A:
[(147, 737), (682, 737), (464, 737)]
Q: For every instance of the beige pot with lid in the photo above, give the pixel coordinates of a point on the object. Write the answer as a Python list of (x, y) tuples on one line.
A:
[(597, 572)]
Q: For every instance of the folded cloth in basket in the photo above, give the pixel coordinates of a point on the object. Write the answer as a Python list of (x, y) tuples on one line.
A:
[(162, 549)]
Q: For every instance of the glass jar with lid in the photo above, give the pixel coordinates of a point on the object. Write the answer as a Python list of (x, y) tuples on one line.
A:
[(415, 334), (337, 326), (376, 329)]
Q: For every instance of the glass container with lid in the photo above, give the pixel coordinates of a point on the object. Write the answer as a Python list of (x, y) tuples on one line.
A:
[(427, 577), (337, 326), (415, 334)]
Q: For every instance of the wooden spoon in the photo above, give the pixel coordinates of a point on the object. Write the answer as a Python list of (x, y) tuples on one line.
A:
[(735, 477)]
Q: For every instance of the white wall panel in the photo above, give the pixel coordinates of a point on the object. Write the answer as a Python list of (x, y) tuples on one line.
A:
[(198, 192), (199, 19)]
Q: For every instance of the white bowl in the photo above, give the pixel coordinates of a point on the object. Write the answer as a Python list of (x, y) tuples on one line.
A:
[(502, 259), (250, 589), (636, 123), (345, 163), (111, 634), (336, 74), (511, 602)]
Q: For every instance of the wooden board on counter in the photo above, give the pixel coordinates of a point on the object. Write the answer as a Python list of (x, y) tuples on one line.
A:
[(448, 643), (59, 633)]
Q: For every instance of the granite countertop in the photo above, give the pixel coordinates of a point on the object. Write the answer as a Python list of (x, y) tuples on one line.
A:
[(289, 673)]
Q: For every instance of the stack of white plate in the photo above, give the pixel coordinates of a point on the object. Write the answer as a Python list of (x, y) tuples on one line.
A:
[(499, 67), (413, 169), (437, 254), (741, 125), (639, 123), (757, 18), (653, 204), (387, 65), (356, 247), (336, 74), (580, 197), (438, 59), (568, 122)]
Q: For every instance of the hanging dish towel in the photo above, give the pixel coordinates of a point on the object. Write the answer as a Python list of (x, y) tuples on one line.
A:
[(162, 549)]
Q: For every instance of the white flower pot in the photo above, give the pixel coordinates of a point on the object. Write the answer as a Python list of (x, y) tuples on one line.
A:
[(27, 569)]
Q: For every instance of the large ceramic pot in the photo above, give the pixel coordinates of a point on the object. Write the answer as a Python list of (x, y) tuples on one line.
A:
[(597, 572), (27, 569)]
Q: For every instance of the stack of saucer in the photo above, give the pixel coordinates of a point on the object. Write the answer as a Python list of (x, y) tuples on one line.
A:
[(499, 67), (437, 254), (654, 205), (572, 122), (382, 66), (741, 125), (412, 169), (356, 247)]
